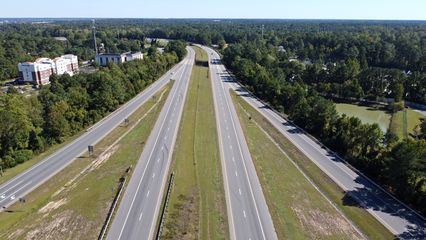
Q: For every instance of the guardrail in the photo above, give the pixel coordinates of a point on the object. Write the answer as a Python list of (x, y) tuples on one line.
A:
[(111, 210), (166, 204)]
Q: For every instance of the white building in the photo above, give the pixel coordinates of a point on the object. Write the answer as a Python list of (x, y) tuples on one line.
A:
[(104, 58), (39, 72)]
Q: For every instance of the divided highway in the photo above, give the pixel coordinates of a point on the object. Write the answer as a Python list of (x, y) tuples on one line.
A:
[(398, 218), (248, 213), (30, 179), (137, 214)]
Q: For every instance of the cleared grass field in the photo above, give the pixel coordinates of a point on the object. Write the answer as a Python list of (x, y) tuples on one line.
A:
[(366, 114), (74, 203), (405, 122), (297, 209), (197, 208)]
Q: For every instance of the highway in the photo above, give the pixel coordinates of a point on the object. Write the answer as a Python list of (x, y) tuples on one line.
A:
[(248, 214), (394, 215), (33, 177), (137, 214)]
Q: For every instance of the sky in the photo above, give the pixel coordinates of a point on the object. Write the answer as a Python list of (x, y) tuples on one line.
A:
[(277, 9)]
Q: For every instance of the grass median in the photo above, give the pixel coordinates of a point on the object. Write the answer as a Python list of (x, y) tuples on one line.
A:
[(74, 203), (298, 210), (197, 208)]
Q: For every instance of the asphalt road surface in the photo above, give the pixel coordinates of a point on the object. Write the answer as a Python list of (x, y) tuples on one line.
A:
[(398, 218), (248, 213), (137, 214), (30, 179)]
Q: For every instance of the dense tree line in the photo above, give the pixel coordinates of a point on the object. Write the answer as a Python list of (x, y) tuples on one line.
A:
[(398, 165), (29, 125)]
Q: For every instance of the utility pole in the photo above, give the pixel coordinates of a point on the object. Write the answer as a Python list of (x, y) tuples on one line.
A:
[(94, 36)]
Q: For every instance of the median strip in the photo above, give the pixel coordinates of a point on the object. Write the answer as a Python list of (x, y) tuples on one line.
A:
[(197, 208)]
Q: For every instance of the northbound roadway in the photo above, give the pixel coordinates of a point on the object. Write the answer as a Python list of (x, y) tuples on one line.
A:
[(137, 214), (248, 213), (398, 218)]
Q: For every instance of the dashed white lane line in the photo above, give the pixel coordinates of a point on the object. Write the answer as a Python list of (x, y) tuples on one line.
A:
[(158, 160), (165, 137), (236, 174), (233, 159), (244, 212), (229, 136), (239, 191), (140, 216), (153, 175), (147, 194)]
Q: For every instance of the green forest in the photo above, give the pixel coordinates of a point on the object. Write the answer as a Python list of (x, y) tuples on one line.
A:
[(297, 66)]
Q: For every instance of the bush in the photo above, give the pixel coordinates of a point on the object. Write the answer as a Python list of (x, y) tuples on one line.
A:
[(396, 107), (21, 156)]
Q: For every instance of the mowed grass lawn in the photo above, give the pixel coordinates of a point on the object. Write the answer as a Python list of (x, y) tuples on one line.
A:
[(297, 209), (366, 114), (197, 208), (405, 122), (74, 203)]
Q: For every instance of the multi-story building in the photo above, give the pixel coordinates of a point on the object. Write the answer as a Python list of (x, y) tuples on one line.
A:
[(104, 58), (39, 72)]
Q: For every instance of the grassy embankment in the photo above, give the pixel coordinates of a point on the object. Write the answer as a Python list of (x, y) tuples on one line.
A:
[(197, 207), (74, 203), (297, 209)]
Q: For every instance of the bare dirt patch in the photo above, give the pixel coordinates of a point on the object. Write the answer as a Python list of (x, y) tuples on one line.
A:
[(320, 223), (59, 227), (52, 205)]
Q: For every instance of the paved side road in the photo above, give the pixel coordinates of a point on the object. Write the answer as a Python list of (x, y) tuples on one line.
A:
[(137, 214), (30, 179), (248, 213), (402, 221)]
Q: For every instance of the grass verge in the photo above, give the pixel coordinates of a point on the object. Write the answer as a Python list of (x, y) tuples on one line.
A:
[(74, 203), (197, 207), (272, 172)]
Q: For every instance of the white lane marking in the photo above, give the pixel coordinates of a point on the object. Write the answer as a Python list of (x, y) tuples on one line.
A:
[(140, 216), (11, 187), (236, 174), (229, 136), (158, 160), (230, 146), (165, 137), (147, 194), (168, 129), (233, 159), (153, 175), (239, 190), (244, 164), (244, 212), (146, 166), (162, 147), (19, 189)]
